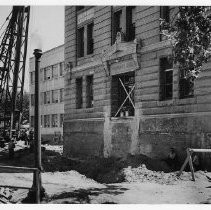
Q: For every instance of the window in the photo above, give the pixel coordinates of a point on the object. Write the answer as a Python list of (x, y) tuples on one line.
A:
[(47, 99), (186, 85), (80, 43), (32, 75), (90, 38), (130, 23), (89, 91), (41, 74), (122, 95), (32, 121), (42, 121), (54, 121), (55, 71), (61, 68), (61, 120), (164, 14), (55, 96), (47, 121), (48, 73), (79, 99), (166, 79), (62, 95), (32, 100), (117, 24)]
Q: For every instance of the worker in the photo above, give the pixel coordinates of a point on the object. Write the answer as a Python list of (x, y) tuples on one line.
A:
[(11, 148), (196, 162), (172, 159)]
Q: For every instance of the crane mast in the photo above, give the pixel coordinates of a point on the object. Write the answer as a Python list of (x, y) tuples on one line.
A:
[(13, 50)]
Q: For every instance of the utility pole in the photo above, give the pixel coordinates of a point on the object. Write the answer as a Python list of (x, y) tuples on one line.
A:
[(37, 137)]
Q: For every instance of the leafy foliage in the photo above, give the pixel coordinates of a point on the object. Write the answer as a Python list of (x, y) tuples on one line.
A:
[(190, 34)]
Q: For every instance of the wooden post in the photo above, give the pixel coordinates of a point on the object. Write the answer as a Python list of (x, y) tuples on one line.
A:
[(191, 164), (185, 163), (38, 187)]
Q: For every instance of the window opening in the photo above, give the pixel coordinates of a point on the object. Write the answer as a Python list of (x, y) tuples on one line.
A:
[(79, 99), (116, 24), (164, 14), (80, 43), (47, 99), (89, 91), (90, 39), (55, 96), (166, 79), (123, 104), (130, 23), (46, 121), (55, 71), (54, 120), (61, 120), (62, 95), (186, 85)]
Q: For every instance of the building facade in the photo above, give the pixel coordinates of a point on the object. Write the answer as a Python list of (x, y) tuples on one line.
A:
[(51, 94), (122, 93)]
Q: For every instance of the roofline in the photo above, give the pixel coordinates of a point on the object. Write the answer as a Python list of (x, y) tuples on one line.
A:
[(49, 50)]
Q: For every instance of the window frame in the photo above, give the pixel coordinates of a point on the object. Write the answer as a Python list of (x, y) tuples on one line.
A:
[(122, 102), (166, 66), (89, 91), (79, 92)]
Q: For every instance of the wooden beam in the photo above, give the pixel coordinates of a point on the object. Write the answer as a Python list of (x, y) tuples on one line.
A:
[(200, 150), (14, 168)]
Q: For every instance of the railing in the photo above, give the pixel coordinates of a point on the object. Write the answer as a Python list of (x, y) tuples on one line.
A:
[(189, 159), (36, 172)]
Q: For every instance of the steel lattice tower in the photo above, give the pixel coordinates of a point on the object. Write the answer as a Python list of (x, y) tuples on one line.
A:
[(13, 51)]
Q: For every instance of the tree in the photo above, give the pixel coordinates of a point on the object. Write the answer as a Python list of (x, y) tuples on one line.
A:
[(190, 34)]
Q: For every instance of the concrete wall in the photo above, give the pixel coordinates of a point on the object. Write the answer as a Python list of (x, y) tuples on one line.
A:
[(157, 125)]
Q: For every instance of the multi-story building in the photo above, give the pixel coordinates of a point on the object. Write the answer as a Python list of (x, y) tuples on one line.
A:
[(122, 93), (51, 93)]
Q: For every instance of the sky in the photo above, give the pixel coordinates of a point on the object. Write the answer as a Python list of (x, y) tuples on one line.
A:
[(46, 29)]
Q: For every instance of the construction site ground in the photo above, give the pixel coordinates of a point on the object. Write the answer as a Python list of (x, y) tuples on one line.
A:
[(132, 180)]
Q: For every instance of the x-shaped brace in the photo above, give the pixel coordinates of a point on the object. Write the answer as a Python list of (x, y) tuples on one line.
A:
[(128, 96)]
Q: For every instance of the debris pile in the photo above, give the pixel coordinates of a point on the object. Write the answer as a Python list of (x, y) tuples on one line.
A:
[(142, 174), (8, 195)]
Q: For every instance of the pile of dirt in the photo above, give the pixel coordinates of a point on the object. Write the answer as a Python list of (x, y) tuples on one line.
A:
[(102, 170), (142, 174)]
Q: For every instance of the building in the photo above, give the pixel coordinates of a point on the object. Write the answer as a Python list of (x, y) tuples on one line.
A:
[(51, 93), (122, 94)]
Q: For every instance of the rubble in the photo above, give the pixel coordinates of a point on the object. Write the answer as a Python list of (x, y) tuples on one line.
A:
[(142, 174), (5, 194)]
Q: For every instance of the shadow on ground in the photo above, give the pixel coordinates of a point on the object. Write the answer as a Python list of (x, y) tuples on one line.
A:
[(84, 196)]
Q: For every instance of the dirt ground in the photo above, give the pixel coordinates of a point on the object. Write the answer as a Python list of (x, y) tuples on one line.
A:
[(134, 180)]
